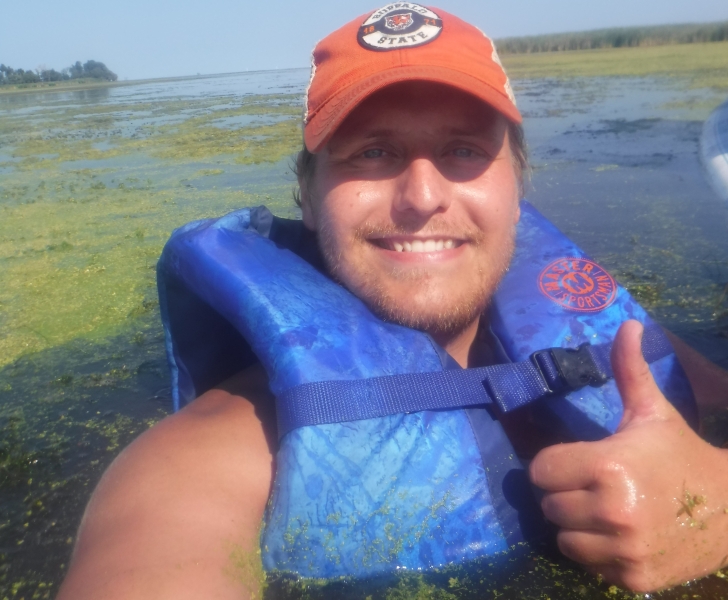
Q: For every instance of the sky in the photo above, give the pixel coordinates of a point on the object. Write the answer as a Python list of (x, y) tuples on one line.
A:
[(141, 39)]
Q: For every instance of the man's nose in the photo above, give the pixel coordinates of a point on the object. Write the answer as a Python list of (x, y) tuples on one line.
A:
[(421, 188)]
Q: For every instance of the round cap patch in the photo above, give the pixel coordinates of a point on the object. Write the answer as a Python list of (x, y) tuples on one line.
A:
[(578, 284), (399, 25)]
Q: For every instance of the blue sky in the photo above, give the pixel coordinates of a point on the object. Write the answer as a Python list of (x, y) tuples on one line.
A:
[(164, 38)]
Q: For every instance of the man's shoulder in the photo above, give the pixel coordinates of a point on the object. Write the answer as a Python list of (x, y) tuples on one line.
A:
[(231, 424), (213, 461), (242, 401)]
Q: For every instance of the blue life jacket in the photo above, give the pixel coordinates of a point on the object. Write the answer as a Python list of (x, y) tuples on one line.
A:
[(380, 467)]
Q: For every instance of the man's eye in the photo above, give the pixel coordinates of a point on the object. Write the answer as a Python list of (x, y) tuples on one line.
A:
[(462, 152), (373, 153)]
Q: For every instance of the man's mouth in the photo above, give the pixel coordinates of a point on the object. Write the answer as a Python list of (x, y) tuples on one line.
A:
[(418, 245)]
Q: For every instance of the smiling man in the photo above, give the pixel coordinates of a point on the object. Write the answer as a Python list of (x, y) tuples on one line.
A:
[(415, 202), (410, 184)]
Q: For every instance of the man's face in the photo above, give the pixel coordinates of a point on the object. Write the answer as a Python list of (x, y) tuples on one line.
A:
[(415, 201)]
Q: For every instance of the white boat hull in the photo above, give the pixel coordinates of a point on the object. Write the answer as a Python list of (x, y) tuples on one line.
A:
[(714, 150)]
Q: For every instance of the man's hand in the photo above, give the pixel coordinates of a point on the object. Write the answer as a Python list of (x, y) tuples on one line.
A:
[(646, 508)]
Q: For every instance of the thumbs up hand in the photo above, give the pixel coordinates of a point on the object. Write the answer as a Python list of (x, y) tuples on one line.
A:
[(646, 508)]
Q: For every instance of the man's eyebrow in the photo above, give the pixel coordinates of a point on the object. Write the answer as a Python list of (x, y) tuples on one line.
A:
[(478, 131), (475, 131), (375, 133)]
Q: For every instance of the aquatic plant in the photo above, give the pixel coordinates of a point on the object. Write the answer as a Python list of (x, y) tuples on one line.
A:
[(522, 573), (701, 65), (617, 37)]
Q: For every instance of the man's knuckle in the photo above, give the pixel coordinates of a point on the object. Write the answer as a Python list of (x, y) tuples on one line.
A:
[(613, 516), (605, 469), (550, 508), (568, 547), (633, 555), (637, 580), (538, 470)]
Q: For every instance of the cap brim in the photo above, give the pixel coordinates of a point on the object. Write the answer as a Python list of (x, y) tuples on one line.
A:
[(331, 115)]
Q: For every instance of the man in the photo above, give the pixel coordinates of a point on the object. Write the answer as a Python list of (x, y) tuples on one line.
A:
[(411, 179)]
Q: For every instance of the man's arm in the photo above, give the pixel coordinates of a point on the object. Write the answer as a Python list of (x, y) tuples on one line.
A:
[(647, 507), (708, 380), (177, 514)]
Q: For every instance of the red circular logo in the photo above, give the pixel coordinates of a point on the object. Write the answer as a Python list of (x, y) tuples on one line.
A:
[(578, 284)]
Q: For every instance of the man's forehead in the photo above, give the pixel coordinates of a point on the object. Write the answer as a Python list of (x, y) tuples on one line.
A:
[(424, 108)]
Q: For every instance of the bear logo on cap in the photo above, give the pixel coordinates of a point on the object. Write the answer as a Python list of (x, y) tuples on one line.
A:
[(398, 22), (399, 25)]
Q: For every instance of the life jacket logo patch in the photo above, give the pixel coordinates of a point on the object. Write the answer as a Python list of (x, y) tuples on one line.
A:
[(578, 284), (399, 25)]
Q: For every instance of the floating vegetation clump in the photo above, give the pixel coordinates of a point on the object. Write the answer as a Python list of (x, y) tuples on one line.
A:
[(523, 573), (701, 65)]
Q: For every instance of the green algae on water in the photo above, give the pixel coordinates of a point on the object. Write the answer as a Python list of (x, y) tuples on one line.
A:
[(524, 572), (64, 414), (88, 196), (78, 246), (246, 568), (89, 192)]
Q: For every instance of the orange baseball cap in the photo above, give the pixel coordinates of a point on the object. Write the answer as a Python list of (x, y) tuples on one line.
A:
[(400, 42)]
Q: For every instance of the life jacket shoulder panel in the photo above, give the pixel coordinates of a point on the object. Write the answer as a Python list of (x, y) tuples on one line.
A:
[(555, 296)]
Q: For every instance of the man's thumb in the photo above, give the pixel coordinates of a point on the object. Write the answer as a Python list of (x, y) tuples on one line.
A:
[(641, 397)]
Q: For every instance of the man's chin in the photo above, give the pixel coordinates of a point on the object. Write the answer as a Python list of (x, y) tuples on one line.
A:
[(449, 320)]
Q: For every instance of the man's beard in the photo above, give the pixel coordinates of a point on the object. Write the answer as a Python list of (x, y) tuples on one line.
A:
[(437, 312)]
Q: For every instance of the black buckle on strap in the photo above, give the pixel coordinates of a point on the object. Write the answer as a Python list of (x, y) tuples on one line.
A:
[(576, 367)]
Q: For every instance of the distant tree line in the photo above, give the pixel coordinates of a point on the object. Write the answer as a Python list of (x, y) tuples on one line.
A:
[(91, 69), (659, 35)]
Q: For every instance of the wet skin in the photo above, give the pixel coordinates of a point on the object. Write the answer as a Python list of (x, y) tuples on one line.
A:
[(415, 200)]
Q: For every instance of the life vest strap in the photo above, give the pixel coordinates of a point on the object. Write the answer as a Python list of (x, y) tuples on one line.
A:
[(509, 386)]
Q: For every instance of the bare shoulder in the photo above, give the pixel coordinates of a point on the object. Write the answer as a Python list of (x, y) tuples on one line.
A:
[(182, 499)]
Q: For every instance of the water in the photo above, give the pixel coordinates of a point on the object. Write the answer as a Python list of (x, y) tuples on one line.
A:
[(285, 81), (92, 182), (616, 167)]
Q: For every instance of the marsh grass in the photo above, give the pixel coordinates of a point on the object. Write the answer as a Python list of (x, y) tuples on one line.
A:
[(617, 37), (700, 65)]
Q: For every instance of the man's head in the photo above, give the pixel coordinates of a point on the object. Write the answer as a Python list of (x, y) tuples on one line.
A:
[(409, 174)]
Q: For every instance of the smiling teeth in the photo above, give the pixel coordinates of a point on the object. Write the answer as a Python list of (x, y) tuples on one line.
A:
[(424, 246)]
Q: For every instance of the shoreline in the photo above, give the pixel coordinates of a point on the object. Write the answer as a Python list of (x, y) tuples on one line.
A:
[(72, 86), (701, 64)]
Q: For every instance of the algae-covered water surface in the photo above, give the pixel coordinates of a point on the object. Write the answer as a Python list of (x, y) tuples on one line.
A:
[(92, 183)]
